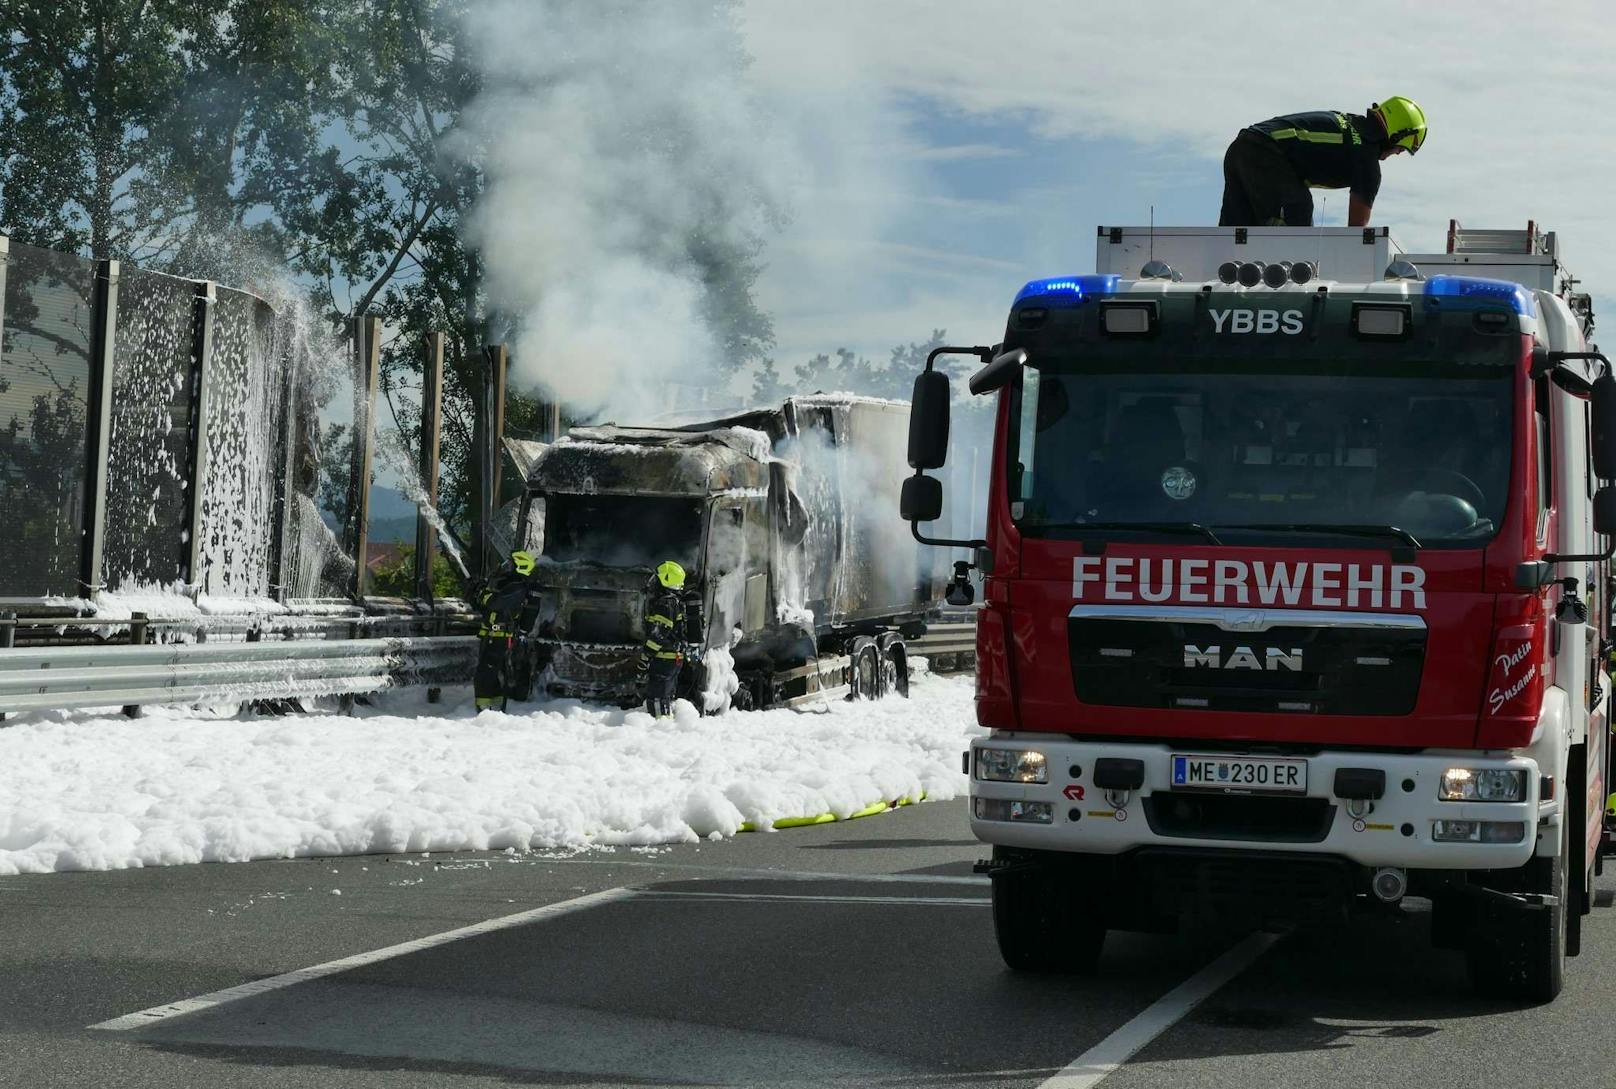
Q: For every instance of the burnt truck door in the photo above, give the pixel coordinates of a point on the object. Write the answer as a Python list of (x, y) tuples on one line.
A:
[(725, 565)]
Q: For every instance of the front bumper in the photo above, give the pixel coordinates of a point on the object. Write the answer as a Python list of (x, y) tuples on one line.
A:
[(1394, 830), (596, 671)]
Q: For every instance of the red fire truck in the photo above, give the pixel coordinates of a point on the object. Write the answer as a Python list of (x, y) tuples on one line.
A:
[(1296, 593)]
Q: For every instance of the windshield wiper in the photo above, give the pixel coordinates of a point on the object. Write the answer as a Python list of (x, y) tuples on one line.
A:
[(1151, 527), (1345, 529)]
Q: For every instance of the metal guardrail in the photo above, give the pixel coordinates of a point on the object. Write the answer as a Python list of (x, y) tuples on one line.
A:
[(60, 678), (950, 646)]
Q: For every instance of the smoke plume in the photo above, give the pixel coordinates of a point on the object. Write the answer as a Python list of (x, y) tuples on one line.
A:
[(630, 182)]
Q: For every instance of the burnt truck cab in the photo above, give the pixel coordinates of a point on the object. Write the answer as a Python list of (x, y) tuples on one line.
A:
[(782, 519), (607, 505), (1297, 595)]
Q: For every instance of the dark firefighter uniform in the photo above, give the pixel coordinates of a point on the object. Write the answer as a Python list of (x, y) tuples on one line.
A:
[(509, 606), (1272, 167), (663, 655)]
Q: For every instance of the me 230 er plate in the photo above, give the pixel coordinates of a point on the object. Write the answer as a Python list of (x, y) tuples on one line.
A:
[(1240, 774)]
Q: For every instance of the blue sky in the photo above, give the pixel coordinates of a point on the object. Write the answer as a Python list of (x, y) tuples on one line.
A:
[(948, 152)]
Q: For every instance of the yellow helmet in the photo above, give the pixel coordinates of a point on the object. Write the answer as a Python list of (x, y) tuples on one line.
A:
[(671, 575), (1404, 121), (523, 562)]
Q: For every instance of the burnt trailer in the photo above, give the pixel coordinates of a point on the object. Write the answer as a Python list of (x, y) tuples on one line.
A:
[(801, 584)]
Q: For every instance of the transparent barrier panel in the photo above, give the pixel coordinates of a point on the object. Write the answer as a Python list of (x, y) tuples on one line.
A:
[(396, 490), (44, 378), (246, 424), (148, 446), (317, 562)]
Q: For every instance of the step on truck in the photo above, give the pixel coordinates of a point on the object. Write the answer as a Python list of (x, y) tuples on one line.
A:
[(801, 586), (1296, 592)]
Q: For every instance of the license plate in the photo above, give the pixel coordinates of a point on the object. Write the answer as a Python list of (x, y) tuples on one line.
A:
[(1243, 774)]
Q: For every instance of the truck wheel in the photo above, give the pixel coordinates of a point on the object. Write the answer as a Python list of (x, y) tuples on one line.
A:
[(1578, 876), (1520, 955), (1039, 926), (864, 670), (894, 665)]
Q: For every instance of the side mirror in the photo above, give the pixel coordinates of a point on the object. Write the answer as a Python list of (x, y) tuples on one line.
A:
[(999, 372), (1605, 511), (1603, 438), (928, 421), (921, 499), (960, 592)]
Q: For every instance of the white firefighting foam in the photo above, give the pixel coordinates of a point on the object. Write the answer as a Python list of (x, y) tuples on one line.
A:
[(101, 793)]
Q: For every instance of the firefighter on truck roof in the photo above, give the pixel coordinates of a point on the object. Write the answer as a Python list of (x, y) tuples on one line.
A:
[(663, 654), (1272, 167)]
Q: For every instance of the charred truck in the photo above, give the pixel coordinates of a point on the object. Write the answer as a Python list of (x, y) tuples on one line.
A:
[(1297, 595), (801, 584)]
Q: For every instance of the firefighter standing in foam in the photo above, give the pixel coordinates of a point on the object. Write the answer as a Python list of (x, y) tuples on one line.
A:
[(663, 654), (510, 605)]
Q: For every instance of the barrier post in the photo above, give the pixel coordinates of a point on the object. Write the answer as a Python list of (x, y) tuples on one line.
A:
[(138, 637)]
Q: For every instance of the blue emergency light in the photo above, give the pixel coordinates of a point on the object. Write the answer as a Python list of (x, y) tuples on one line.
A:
[(1475, 289), (1069, 290)]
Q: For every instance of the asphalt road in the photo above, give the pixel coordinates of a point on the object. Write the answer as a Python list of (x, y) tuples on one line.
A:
[(844, 954)]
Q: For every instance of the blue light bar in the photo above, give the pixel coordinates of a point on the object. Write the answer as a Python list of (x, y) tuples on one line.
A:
[(1069, 290), (1475, 289)]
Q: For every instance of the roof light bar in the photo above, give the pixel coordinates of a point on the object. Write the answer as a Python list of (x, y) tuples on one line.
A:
[(1476, 290), (1069, 290)]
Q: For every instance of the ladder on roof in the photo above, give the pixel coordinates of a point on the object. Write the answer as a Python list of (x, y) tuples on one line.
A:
[(1487, 240), (1533, 242)]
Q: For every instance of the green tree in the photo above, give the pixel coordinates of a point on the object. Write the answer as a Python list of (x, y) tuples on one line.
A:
[(397, 579), (150, 130)]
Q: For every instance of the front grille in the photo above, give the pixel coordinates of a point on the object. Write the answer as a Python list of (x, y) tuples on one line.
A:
[(1190, 665), (1239, 817)]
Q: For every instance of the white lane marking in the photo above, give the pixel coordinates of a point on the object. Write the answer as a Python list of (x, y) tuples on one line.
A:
[(969, 901), (142, 1018), (1101, 1060)]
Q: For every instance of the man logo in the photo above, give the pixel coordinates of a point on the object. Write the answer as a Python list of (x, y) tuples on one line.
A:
[(1272, 660)]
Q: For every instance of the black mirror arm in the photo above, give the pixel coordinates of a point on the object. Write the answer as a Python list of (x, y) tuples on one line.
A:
[(1591, 557), (1548, 361), (982, 353), (945, 542)]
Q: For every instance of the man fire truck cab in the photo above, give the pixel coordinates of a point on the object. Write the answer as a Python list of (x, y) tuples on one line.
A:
[(1296, 592)]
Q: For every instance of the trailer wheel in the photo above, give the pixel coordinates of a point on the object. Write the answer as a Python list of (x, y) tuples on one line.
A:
[(894, 664), (864, 670), (1520, 954), (1040, 926)]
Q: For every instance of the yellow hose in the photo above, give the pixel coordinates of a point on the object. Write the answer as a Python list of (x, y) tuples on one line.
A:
[(828, 818)]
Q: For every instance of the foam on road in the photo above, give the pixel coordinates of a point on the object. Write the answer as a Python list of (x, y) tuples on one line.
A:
[(176, 787)]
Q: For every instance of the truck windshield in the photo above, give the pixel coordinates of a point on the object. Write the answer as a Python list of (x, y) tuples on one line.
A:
[(622, 530), (1202, 447)]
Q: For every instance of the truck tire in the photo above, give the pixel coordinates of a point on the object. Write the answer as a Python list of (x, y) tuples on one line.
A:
[(1579, 880), (1520, 955), (894, 664), (864, 670), (1040, 925)]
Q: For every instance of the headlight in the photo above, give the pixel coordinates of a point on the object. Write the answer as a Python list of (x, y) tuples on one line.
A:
[(1483, 785), (1004, 809), (1011, 766)]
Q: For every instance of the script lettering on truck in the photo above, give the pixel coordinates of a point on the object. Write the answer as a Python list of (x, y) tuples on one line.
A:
[(1262, 322), (1239, 582)]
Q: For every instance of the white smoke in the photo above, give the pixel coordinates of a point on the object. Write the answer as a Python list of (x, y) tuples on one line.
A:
[(616, 139)]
